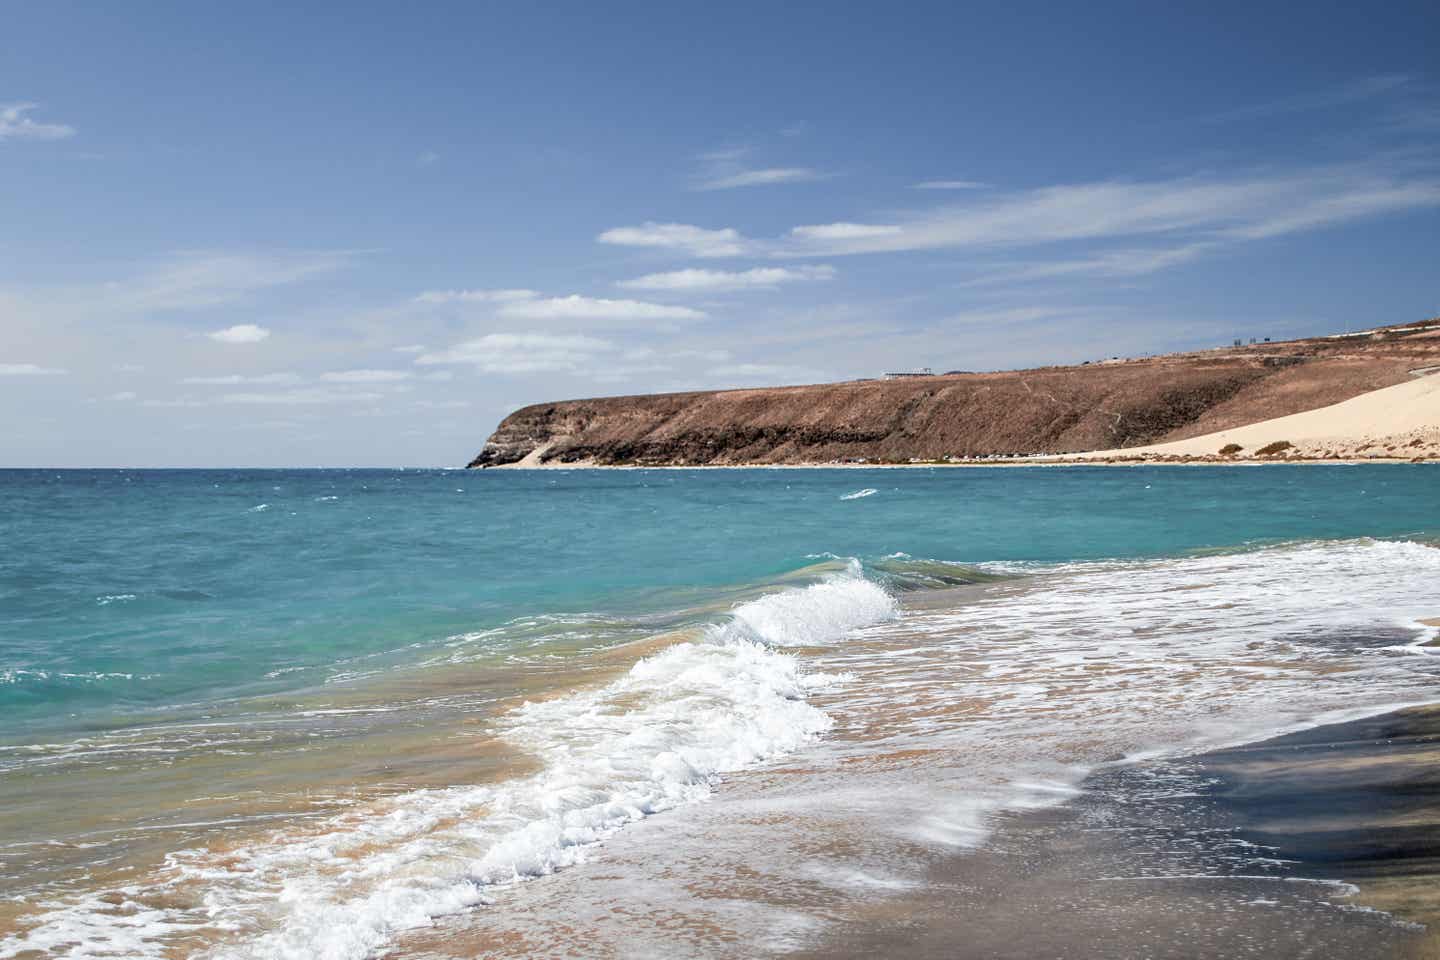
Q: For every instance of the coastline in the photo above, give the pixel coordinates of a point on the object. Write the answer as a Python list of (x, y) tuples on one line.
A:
[(1399, 423), (993, 462)]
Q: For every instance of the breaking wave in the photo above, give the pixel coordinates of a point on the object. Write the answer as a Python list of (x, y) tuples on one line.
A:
[(653, 739)]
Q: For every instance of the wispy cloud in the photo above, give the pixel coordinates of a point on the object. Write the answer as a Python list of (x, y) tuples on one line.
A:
[(308, 396), (410, 348), (15, 125), (716, 281), (475, 296), (759, 177), (596, 310), (240, 333), (366, 376), (681, 237), (727, 170), (949, 185), (299, 397), (516, 353), (29, 370), (1354, 91), (193, 280), (236, 379), (1197, 208), (845, 231), (1135, 262)]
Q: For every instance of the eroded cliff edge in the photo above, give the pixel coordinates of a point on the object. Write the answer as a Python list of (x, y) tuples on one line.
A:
[(1046, 410)]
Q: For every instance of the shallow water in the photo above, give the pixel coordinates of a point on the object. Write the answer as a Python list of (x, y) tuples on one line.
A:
[(751, 701)]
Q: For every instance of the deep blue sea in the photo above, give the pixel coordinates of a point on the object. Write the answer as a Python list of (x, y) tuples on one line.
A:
[(271, 714), (125, 590)]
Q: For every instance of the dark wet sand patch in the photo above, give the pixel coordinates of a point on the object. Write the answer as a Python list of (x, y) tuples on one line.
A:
[(1239, 853), (1357, 802)]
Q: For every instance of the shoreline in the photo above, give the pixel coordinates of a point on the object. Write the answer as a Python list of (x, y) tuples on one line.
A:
[(973, 464)]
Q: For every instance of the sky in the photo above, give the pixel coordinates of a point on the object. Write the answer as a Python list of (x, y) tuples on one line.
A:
[(361, 234)]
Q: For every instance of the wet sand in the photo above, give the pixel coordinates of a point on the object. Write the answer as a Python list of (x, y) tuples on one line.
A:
[(1248, 852), (1356, 802)]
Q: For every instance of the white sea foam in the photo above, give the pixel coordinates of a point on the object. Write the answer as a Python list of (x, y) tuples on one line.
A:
[(22, 675), (656, 738), (1146, 659), (867, 492), (816, 615)]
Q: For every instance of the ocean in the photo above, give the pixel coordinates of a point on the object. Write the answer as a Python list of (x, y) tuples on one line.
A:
[(340, 713)]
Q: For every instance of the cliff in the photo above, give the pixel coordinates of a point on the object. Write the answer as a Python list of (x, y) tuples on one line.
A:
[(1109, 405)]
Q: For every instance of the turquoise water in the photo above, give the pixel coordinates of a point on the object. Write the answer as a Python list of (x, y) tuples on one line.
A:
[(266, 715), (127, 592)]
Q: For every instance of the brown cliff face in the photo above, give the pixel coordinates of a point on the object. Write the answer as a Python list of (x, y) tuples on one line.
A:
[(1047, 410)]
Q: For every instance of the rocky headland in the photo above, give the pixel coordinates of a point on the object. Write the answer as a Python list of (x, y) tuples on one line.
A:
[(1131, 408)]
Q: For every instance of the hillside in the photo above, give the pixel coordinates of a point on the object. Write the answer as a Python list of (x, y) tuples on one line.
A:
[(1049, 410)]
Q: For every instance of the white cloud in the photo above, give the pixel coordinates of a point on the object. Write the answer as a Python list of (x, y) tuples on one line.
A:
[(475, 296), (123, 396), (760, 177), (410, 348), (366, 376), (845, 231), (235, 379), (1109, 263), (15, 125), (29, 370), (596, 309), (1199, 209), (949, 185), (721, 280), (240, 333), (525, 353), (683, 237), (1355, 202), (726, 170)]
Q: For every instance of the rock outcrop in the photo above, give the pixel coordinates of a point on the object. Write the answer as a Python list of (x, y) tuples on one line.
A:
[(1050, 410)]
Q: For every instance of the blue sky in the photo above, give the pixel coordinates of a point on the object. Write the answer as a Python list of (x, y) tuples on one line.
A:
[(352, 235)]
